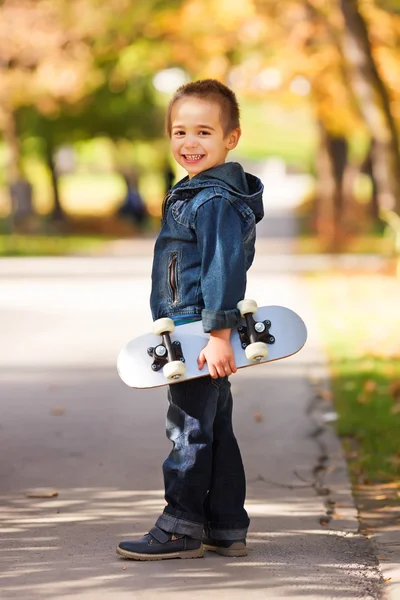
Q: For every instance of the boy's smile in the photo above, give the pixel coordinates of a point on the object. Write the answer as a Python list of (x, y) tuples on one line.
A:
[(197, 137)]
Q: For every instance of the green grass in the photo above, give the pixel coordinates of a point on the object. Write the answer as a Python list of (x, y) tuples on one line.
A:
[(41, 245), (359, 321), (367, 424)]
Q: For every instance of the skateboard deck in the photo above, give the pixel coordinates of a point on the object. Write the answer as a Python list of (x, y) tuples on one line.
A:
[(142, 362)]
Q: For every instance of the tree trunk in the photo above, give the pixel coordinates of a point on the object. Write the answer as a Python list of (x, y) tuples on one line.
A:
[(338, 152), (57, 213), (368, 170), (374, 105), (19, 189), (11, 139), (331, 165)]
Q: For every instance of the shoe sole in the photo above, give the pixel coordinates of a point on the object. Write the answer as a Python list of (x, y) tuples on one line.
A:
[(238, 549), (184, 554)]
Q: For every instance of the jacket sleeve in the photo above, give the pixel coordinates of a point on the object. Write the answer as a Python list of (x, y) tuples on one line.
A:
[(223, 271)]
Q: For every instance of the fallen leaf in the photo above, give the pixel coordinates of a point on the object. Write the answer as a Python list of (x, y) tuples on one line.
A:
[(363, 399), (394, 389), (325, 395), (57, 411), (41, 493), (370, 385)]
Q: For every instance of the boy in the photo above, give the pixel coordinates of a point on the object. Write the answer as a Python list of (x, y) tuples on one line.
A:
[(205, 247)]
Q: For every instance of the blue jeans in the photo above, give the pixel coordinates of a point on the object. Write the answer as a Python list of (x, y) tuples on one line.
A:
[(204, 478)]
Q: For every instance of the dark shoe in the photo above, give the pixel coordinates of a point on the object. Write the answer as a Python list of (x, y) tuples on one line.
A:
[(226, 547), (158, 544)]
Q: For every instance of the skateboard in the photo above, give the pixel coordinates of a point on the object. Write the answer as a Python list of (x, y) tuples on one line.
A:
[(169, 354)]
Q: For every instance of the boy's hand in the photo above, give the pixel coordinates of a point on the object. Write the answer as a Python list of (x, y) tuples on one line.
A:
[(218, 354)]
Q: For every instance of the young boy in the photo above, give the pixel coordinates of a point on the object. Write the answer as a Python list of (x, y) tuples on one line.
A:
[(205, 247)]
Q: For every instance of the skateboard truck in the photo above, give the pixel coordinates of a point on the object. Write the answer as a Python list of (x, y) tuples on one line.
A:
[(255, 335), (255, 331), (165, 352), (168, 355)]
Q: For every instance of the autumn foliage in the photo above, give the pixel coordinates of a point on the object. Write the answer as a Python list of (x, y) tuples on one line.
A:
[(62, 60)]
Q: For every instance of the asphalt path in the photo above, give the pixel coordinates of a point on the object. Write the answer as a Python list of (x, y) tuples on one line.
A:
[(69, 425)]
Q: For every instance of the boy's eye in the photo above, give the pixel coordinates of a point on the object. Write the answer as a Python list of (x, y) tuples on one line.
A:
[(179, 133), (204, 132)]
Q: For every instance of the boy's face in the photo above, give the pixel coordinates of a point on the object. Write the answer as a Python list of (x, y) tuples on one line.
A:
[(197, 136)]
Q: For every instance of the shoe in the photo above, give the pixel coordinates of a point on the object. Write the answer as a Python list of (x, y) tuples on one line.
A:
[(159, 544), (226, 547)]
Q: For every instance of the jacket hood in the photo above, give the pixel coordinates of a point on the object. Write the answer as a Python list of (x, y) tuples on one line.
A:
[(232, 177)]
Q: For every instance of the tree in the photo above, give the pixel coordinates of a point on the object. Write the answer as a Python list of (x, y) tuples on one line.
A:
[(69, 69), (375, 106)]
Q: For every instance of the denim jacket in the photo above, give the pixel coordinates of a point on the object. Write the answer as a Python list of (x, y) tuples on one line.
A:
[(206, 246)]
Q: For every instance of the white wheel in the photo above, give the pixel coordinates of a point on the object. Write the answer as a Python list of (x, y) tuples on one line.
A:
[(164, 325), (247, 306), (174, 370), (256, 351)]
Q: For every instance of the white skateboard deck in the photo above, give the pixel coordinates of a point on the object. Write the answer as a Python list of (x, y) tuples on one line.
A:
[(287, 331)]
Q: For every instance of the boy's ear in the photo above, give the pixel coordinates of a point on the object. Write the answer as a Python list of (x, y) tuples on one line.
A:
[(232, 139)]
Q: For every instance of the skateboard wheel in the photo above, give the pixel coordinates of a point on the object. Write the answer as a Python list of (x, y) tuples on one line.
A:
[(174, 370), (247, 306), (164, 325), (256, 351)]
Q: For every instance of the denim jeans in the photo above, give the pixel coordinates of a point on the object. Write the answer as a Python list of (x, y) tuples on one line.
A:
[(204, 478)]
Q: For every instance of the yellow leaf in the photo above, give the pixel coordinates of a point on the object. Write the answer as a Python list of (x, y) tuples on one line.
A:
[(362, 399), (325, 395), (395, 389), (370, 385)]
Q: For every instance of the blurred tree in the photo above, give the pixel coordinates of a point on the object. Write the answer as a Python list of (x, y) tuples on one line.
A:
[(375, 105), (304, 45), (45, 60), (348, 96), (71, 69), (128, 114), (76, 68)]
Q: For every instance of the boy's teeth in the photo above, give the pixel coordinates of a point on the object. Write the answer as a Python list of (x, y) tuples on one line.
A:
[(193, 156)]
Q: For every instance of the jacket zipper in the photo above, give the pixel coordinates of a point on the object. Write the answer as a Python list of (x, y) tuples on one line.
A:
[(172, 278)]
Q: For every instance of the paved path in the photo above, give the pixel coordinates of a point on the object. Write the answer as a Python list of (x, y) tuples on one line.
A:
[(68, 423)]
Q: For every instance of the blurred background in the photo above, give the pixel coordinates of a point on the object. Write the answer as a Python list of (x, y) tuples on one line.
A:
[(84, 167), (84, 85)]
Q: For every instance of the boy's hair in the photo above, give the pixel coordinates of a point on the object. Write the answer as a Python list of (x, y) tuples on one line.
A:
[(209, 89)]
